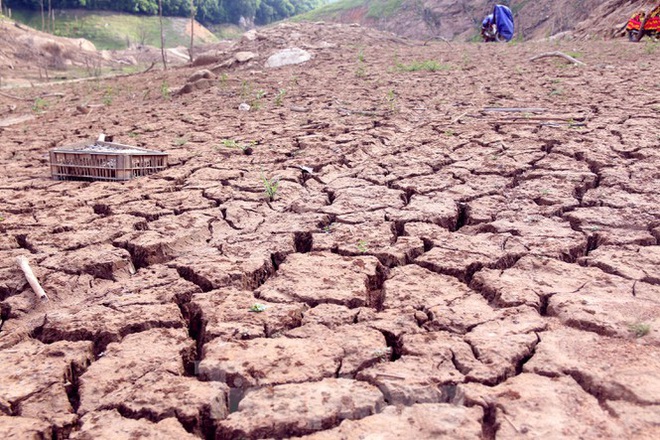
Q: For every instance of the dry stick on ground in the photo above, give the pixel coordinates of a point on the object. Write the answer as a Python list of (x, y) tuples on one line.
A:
[(557, 54), (29, 275)]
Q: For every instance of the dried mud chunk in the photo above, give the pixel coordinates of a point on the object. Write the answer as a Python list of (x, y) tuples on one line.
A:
[(635, 263), (370, 198), (297, 409), (262, 361), (111, 425), (461, 255), (434, 208), (36, 378), (608, 368), (362, 346), (316, 278), (426, 184), (540, 407), (147, 209), (640, 422), (616, 197), (228, 314), (330, 315), (102, 261), (158, 350), (449, 303), (182, 201), (371, 239), (104, 323), (166, 239), (549, 190), (308, 353), (531, 281), (412, 380), (160, 395), (541, 235), (210, 270), (24, 428), (608, 306), (502, 344), (424, 421), (629, 218)]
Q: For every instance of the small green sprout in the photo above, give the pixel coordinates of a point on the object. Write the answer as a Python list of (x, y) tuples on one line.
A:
[(165, 90), (180, 141), (362, 246), (258, 308), (640, 329), (270, 186), (383, 354), (39, 105), (280, 97)]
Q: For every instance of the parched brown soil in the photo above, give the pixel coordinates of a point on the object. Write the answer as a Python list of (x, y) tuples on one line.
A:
[(444, 271)]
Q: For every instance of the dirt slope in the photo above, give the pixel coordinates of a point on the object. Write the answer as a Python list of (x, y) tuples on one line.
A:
[(431, 264), (461, 19)]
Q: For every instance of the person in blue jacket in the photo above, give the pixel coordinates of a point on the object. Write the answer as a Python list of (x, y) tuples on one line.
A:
[(498, 26)]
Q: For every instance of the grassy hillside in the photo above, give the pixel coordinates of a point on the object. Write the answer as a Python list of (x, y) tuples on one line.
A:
[(374, 9), (113, 30)]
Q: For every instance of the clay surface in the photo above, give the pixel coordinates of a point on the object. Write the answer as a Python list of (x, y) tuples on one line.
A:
[(373, 253)]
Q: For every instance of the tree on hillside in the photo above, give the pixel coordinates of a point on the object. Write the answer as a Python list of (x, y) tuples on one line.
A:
[(162, 35), (192, 28)]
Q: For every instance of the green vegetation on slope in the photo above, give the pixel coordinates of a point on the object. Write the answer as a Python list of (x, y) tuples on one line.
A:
[(206, 11), (374, 9), (115, 30)]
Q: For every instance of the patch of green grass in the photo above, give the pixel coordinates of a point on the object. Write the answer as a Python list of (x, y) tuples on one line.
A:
[(651, 47), (180, 141), (280, 97), (383, 8), (428, 66), (114, 30), (258, 308), (333, 9), (640, 329), (575, 54), (362, 246), (108, 96), (39, 105), (270, 186), (165, 90)]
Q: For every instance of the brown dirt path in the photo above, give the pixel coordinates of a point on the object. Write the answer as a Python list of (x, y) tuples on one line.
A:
[(446, 272)]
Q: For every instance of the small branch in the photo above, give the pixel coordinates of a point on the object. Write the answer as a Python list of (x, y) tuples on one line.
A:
[(557, 54), (514, 109), (29, 275), (18, 98)]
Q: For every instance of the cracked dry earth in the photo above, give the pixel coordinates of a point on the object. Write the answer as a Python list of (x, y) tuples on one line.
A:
[(444, 272)]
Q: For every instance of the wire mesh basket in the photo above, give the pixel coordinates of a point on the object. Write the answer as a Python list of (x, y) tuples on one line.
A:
[(108, 161)]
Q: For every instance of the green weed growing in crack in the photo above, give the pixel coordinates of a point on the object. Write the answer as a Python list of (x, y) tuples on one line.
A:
[(108, 96), (258, 308), (255, 104), (362, 246), (639, 329), (390, 98), (246, 148), (2, 218), (165, 90), (383, 354), (39, 105), (180, 141), (270, 186), (280, 97)]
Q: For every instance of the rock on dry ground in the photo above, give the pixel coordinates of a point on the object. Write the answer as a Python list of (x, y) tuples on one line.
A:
[(425, 268)]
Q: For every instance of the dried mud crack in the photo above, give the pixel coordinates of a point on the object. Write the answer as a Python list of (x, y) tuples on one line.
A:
[(390, 259)]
